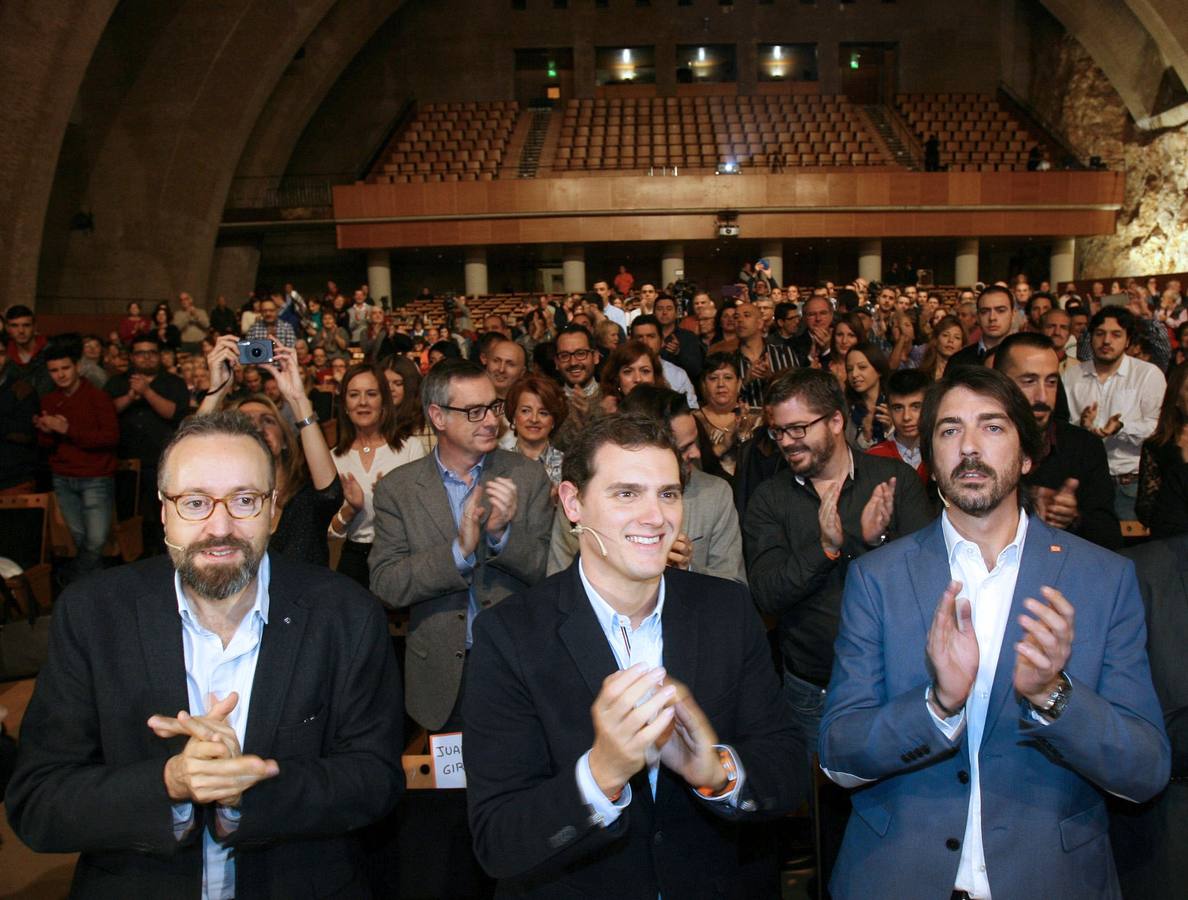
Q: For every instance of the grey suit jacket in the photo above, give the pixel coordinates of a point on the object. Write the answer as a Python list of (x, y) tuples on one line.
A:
[(710, 520), (412, 567)]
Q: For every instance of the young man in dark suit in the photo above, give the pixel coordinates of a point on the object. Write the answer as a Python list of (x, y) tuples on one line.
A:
[(624, 719), (288, 737)]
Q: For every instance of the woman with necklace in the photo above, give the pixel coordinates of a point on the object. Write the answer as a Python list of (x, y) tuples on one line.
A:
[(536, 407), (726, 421), (370, 445)]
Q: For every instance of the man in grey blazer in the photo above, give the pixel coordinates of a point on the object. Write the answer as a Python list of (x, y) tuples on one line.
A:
[(455, 533), (710, 541)]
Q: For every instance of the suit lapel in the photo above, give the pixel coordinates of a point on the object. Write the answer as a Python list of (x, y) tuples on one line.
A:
[(679, 624), (279, 648), (432, 496), (928, 567), (1044, 553), (581, 634), (161, 642)]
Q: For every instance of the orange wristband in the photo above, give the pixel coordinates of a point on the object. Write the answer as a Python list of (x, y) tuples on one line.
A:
[(727, 761)]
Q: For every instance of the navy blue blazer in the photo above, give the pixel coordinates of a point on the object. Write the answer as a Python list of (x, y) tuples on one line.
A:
[(1044, 819)]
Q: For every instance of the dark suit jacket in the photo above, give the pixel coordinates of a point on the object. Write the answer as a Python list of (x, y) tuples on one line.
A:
[(325, 704), (1078, 454), (538, 663), (1151, 840), (1043, 787)]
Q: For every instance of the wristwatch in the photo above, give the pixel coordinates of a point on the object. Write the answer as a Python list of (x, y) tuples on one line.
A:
[(311, 419), (1057, 699)]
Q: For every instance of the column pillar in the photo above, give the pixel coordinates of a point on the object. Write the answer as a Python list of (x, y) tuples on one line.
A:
[(1061, 268), (573, 269), (773, 252), (672, 260), (966, 267), (870, 259), (379, 277), (476, 271)]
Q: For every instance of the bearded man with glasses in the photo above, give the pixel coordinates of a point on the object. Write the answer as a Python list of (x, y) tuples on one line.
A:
[(135, 749), (803, 527)]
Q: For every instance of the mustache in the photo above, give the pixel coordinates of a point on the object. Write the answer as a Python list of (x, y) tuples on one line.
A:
[(1041, 407), (972, 465), (230, 540)]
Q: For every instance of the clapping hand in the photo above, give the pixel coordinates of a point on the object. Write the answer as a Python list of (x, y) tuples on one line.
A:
[(1041, 656), (211, 768), (1058, 508), (632, 713), (689, 749), (502, 496), (832, 533), (953, 650), (876, 515), (680, 554)]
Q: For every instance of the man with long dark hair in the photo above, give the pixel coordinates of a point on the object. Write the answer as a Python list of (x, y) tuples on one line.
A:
[(986, 729)]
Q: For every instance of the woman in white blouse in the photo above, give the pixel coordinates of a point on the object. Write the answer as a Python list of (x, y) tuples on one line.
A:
[(371, 443)]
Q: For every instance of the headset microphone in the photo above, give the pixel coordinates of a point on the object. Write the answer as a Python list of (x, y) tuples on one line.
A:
[(173, 546), (579, 528)]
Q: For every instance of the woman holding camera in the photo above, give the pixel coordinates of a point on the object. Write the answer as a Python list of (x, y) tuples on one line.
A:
[(308, 489)]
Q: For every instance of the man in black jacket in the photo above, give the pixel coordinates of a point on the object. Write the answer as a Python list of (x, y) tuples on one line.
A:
[(623, 719), (1071, 486), (288, 737)]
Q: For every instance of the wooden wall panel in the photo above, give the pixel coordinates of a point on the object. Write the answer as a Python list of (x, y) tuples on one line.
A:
[(813, 204)]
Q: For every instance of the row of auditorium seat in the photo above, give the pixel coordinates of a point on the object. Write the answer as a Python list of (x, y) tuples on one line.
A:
[(450, 142), (701, 132), (468, 141), (972, 130)]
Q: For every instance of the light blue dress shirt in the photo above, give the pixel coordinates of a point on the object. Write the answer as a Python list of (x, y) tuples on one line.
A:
[(457, 490), (644, 644), (213, 669)]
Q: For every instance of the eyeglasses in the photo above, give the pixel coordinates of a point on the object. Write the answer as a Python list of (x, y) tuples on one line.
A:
[(775, 432), (145, 352), (564, 356), (478, 413), (199, 507)]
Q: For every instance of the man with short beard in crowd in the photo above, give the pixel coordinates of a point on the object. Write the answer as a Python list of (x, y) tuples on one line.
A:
[(577, 361), (1070, 484), (135, 749)]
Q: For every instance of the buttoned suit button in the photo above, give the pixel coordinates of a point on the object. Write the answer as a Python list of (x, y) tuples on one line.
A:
[(963, 776), (460, 653), (953, 844), (462, 617), (658, 838)]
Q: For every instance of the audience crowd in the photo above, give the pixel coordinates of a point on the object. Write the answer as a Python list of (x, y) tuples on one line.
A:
[(767, 393)]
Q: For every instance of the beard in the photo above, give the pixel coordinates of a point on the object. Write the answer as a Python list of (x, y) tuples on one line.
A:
[(218, 581), (981, 502), (813, 465)]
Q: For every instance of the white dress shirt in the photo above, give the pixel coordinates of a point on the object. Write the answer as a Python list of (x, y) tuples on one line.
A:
[(643, 644), (678, 380), (362, 527), (213, 669), (990, 593), (1135, 391)]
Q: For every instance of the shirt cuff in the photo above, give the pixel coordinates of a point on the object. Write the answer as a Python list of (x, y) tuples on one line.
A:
[(730, 798), (226, 820), (464, 564), (183, 819), (950, 727), (499, 545), (604, 811)]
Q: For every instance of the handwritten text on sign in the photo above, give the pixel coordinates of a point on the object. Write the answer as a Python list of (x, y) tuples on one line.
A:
[(446, 750)]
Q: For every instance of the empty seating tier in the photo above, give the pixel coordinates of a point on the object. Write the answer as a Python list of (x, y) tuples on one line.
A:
[(449, 142), (757, 133), (973, 131)]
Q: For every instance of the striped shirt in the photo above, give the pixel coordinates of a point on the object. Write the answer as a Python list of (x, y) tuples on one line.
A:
[(780, 357)]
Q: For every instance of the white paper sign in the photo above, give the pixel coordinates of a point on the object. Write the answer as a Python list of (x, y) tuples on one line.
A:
[(446, 750)]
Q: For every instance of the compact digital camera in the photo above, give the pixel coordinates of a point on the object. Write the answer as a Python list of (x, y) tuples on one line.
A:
[(252, 353)]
